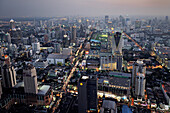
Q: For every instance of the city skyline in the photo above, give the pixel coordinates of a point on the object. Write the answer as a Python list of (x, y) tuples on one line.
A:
[(84, 8)]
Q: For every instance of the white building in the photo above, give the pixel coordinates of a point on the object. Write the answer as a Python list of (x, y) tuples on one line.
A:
[(30, 79), (138, 78), (36, 46), (56, 58), (140, 85)]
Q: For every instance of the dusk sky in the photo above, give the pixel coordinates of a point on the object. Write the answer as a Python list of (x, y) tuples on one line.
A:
[(83, 7)]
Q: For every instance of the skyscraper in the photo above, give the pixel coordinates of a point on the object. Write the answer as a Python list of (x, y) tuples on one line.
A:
[(8, 73), (117, 42), (138, 78), (8, 38), (140, 85), (137, 24), (73, 38), (30, 79), (57, 47), (106, 19), (87, 94), (119, 60), (12, 24), (36, 46), (166, 18)]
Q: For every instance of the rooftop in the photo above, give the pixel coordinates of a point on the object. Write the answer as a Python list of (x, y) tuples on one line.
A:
[(57, 56), (43, 90), (109, 104)]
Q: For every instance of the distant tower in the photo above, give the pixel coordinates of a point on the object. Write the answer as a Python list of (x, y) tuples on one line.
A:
[(30, 79), (140, 85), (8, 73), (36, 46), (137, 24), (138, 77), (57, 47), (12, 24), (73, 40), (106, 19), (8, 38), (87, 94), (166, 18)]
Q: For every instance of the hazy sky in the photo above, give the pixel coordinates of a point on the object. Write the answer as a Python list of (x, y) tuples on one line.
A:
[(83, 7)]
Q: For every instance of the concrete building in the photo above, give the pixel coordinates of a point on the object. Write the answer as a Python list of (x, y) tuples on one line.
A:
[(36, 46), (140, 85), (12, 24), (117, 83), (8, 73), (138, 78), (106, 19), (138, 67), (57, 47), (73, 38), (87, 94), (117, 42), (56, 58), (108, 106), (30, 79)]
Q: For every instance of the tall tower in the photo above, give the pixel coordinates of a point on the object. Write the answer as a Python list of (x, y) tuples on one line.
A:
[(8, 38), (8, 73), (87, 94), (106, 19), (12, 24), (140, 85), (137, 24), (57, 47), (73, 40), (30, 79), (36, 46), (119, 60), (138, 77), (117, 42)]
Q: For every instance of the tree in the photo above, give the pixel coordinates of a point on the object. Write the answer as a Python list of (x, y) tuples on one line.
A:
[(59, 63)]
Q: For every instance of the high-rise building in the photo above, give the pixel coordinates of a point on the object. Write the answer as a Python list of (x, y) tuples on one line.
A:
[(0, 89), (137, 24), (108, 106), (106, 19), (73, 38), (36, 46), (140, 85), (57, 47), (166, 18), (117, 43), (87, 94), (8, 38), (30, 79), (8, 73), (12, 24), (119, 61), (138, 77)]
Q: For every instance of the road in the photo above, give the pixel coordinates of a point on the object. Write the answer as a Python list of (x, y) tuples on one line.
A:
[(64, 88)]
